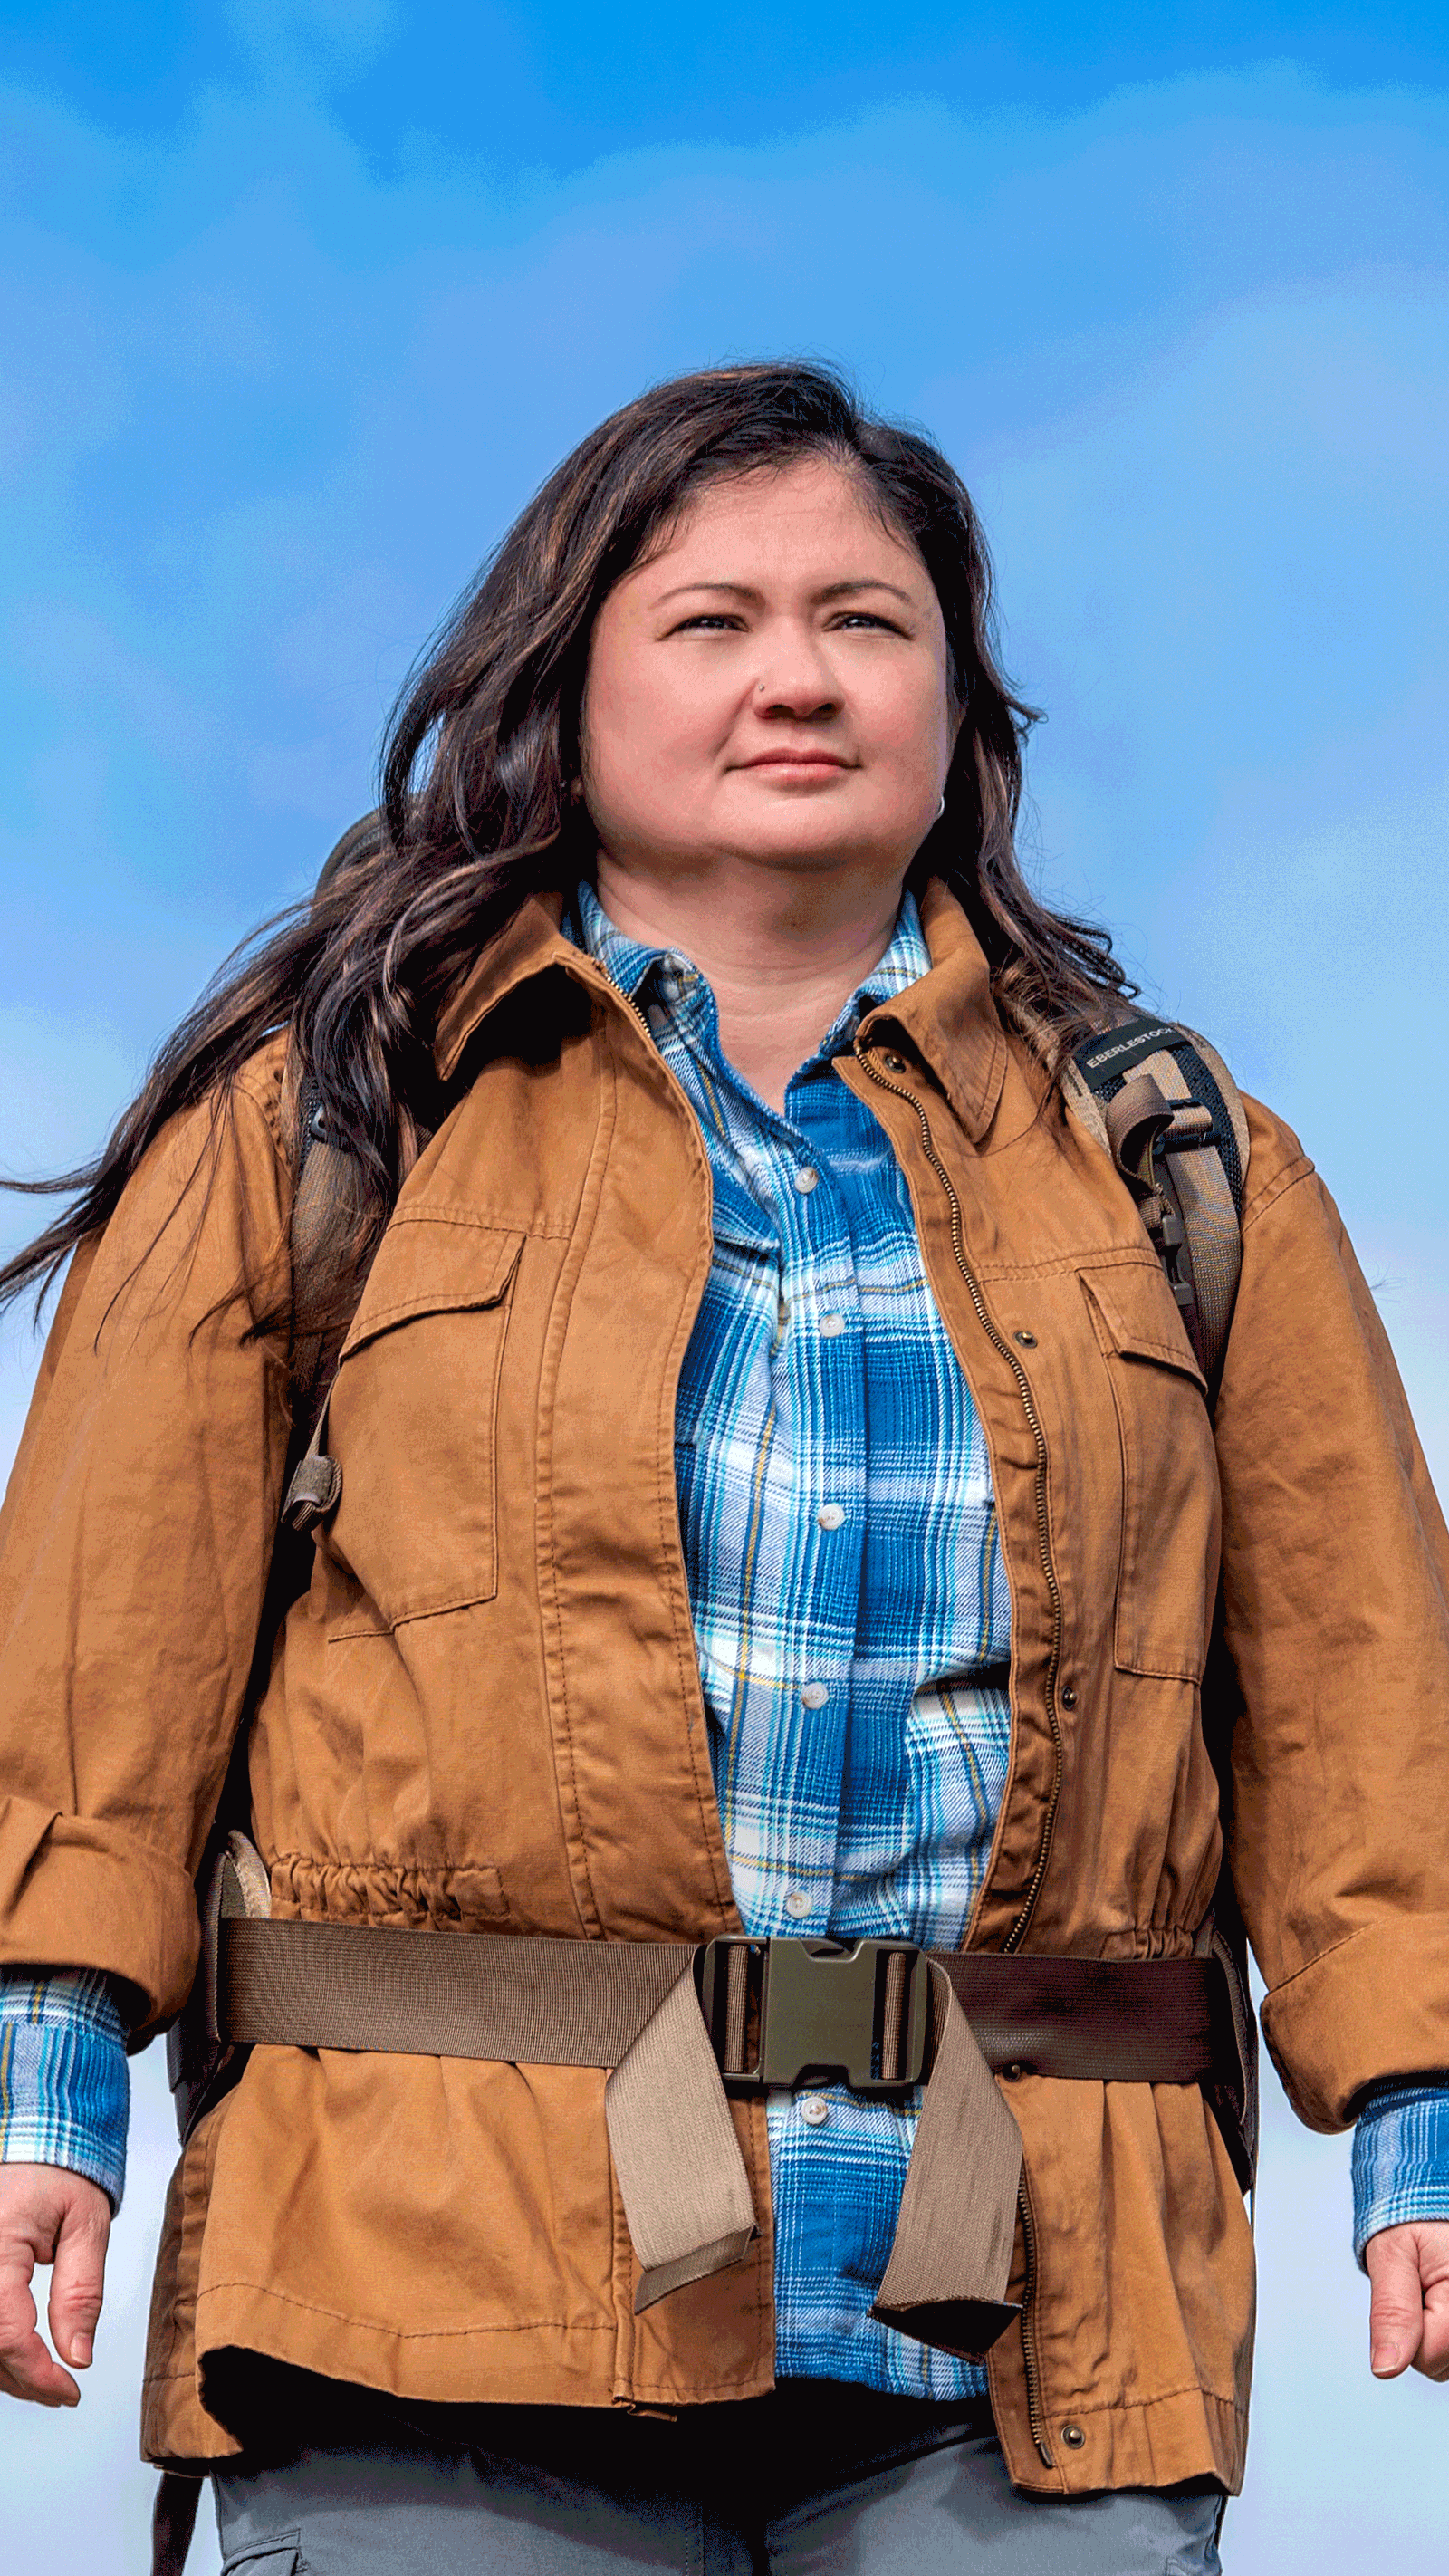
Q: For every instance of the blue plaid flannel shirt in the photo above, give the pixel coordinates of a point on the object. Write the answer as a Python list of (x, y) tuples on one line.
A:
[(851, 1615)]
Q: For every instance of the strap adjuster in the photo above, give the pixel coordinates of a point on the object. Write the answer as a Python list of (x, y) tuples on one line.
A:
[(779, 2009)]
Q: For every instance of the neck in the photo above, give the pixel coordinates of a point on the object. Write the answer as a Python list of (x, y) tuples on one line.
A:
[(782, 952)]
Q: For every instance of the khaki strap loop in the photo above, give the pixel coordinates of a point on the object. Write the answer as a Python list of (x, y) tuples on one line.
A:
[(946, 2279), (681, 2174)]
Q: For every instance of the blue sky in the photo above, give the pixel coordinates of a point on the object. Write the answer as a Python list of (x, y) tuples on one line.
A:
[(299, 302)]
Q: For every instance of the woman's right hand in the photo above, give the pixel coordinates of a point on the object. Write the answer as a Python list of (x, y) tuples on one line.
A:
[(49, 2216)]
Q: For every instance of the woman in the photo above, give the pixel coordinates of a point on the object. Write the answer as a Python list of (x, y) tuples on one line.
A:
[(767, 1488)]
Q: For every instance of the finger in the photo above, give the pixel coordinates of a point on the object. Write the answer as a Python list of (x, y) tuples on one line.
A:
[(26, 2367), (1433, 2354), (1396, 2311), (78, 2279)]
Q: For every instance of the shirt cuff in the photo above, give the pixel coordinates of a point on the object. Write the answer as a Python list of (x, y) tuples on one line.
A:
[(65, 2087), (1400, 2158)]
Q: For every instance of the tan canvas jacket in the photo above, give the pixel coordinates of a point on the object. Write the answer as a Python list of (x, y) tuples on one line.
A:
[(485, 1716)]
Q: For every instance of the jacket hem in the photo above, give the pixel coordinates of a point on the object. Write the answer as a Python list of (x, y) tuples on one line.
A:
[(1150, 2442), (528, 2362)]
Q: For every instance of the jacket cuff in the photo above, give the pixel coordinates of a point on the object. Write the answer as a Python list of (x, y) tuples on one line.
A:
[(1372, 2010), (77, 1892), (65, 2087)]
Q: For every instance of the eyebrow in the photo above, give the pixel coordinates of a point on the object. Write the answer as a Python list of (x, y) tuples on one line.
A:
[(744, 590)]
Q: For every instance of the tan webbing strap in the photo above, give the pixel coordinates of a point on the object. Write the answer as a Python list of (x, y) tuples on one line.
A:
[(1196, 1173), (682, 2177), (1214, 1240), (950, 2261), (535, 2002)]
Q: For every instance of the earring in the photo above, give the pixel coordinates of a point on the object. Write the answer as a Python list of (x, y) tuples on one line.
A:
[(941, 808)]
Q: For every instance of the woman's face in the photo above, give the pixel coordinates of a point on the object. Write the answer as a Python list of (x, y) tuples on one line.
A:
[(770, 686)]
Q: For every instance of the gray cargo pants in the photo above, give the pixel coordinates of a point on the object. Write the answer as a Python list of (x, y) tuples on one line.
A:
[(817, 2478)]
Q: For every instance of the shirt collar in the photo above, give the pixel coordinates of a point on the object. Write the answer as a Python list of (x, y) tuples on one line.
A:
[(653, 975), (948, 1015)]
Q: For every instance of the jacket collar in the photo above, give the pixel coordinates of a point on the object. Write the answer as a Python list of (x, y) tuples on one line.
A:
[(527, 945), (948, 1016)]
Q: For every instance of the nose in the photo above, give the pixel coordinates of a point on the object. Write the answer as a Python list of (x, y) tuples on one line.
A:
[(795, 680)]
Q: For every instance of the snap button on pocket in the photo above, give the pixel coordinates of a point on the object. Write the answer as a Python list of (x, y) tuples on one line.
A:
[(1073, 2436)]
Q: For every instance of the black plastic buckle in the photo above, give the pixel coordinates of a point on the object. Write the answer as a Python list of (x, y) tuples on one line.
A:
[(815, 2008)]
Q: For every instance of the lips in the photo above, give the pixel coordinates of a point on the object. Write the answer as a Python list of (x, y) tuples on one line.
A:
[(796, 760)]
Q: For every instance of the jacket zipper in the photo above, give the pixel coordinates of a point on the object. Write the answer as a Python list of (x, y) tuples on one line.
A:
[(1043, 1525), (1035, 2415), (632, 1007)]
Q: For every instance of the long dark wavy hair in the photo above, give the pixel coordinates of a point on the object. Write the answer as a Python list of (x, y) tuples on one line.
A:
[(476, 810)]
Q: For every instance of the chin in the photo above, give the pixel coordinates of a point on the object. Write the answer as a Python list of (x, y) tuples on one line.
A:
[(802, 834)]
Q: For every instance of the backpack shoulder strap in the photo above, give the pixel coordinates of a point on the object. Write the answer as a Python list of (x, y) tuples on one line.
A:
[(319, 1205), (324, 1299), (324, 1302), (1162, 1103)]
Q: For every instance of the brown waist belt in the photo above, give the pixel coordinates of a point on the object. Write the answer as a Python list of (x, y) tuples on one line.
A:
[(776, 2011), (680, 2027)]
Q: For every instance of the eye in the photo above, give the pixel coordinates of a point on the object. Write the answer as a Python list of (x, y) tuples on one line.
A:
[(714, 621), (868, 617)]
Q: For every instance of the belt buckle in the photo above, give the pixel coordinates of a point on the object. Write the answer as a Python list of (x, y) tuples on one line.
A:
[(820, 2008)]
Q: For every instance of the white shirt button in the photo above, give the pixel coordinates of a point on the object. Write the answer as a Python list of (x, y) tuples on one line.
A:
[(797, 1903), (831, 1327), (806, 1178), (814, 1695), (830, 1516), (815, 2109)]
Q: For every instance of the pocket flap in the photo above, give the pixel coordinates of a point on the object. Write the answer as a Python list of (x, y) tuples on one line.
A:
[(1139, 1317), (433, 1265)]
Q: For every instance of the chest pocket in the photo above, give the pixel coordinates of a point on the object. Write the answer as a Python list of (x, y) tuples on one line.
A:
[(1171, 1506), (413, 1421)]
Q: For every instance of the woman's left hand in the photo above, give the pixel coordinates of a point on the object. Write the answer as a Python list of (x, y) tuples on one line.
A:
[(1409, 2313)]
